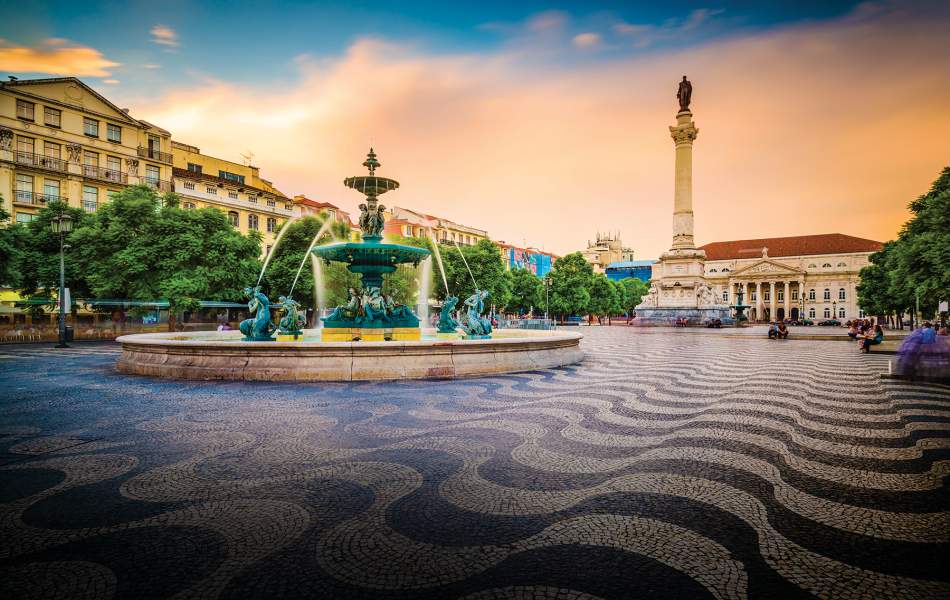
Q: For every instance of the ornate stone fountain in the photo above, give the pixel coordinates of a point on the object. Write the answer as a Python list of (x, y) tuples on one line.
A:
[(369, 315)]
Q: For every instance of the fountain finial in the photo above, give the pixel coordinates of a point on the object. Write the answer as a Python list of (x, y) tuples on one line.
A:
[(371, 163)]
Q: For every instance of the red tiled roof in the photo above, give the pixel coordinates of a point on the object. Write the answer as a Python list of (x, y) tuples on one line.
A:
[(799, 245), (314, 203)]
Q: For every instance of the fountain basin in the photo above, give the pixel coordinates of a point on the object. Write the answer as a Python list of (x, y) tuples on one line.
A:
[(223, 356)]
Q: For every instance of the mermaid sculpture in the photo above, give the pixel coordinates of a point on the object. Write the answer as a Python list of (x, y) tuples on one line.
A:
[(259, 327), (346, 312), (447, 324), (475, 325), (292, 322), (398, 312), (374, 307)]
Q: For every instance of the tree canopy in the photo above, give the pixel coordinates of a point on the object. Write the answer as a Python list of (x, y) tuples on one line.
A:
[(633, 291), (570, 285), (487, 268), (913, 267), (10, 249), (527, 292)]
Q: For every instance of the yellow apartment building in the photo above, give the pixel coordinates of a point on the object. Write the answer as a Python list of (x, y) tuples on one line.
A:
[(62, 140), (251, 203)]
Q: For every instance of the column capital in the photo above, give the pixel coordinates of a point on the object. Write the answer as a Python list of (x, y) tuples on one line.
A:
[(684, 134)]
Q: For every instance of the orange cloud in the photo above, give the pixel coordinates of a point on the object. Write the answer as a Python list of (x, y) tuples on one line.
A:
[(55, 57), (810, 129), (586, 40), (164, 36)]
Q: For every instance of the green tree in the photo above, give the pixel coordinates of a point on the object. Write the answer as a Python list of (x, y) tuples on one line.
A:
[(484, 260), (39, 255), (136, 248), (527, 292), (11, 245), (603, 296), (633, 292), (570, 285)]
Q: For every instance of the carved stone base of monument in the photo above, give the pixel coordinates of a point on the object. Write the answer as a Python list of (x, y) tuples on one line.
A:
[(406, 334), (667, 316)]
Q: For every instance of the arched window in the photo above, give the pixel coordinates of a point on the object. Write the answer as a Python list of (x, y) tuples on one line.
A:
[(253, 222), (811, 294), (827, 312), (841, 295), (271, 224), (826, 266), (725, 296), (812, 266), (827, 295), (188, 205), (233, 218), (842, 264), (713, 271), (811, 313), (725, 270), (840, 313)]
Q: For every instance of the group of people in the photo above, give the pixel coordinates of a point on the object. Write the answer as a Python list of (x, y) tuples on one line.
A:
[(925, 353), (778, 331), (866, 332)]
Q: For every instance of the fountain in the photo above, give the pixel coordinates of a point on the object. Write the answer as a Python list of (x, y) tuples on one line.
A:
[(370, 337), (739, 308)]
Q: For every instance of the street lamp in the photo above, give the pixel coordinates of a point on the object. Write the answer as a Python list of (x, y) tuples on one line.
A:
[(801, 307), (547, 286), (834, 309), (61, 225)]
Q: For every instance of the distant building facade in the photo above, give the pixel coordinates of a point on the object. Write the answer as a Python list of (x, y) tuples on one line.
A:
[(783, 278), (306, 206), (537, 261), (409, 223), (250, 202), (60, 140), (639, 269), (606, 249)]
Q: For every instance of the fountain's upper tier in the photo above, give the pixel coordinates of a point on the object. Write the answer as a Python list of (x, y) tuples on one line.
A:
[(371, 185), (371, 253)]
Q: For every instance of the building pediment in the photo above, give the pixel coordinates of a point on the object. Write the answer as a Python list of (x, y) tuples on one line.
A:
[(768, 267), (71, 92)]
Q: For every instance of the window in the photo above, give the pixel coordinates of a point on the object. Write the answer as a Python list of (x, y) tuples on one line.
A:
[(841, 295), (811, 294), (24, 149), (812, 266), (288, 207), (25, 110), (211, 190), (827, 295), (90, 164), (794, 294), (752, 295), (50, 189), (90, 127), (252, 222), (827, 312), (725, 270), (189, 185), (51, 150), (840, 313), (725, 296), (826, 266), (766, 295), (231, 176), (780, 294), (233, 195), (25, 217), (114, 166), (24, 188), (233, 218), (842, 264), (113, 133), (713, 271), (152, 174), (252, 198), (52, 117), (194, 168), (271, 202), (188, 205), (271, 224), (90, 198)]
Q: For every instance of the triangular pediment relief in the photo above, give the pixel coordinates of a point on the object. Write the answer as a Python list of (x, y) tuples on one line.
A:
[(73, 92), (767, 266)]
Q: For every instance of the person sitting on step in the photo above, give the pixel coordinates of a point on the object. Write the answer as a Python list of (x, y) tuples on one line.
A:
[(782, 331), (773, 331), (872, 339)]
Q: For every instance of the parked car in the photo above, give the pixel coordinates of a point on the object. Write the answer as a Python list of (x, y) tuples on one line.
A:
[(801, 322), (714, 323), (830, 323)]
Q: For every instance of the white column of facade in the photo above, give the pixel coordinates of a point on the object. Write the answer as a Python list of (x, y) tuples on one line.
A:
[(730, 294), (788, 299), (759, 303), (772, 315), (804, 297)]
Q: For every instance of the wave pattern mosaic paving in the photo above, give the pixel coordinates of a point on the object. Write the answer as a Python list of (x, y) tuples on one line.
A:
[(671, 465)]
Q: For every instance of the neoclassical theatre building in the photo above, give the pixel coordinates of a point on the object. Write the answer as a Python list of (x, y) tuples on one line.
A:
[(783, 277)]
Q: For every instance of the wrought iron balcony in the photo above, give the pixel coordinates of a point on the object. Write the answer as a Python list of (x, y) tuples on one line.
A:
[(158, 184), (110, 175), (155, 154), (35, 198), (41, 161)]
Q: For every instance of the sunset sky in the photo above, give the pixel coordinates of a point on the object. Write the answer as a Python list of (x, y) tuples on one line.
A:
[(541, 123)]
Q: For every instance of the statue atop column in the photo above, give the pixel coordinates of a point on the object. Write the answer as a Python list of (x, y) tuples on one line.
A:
[(684, 93)]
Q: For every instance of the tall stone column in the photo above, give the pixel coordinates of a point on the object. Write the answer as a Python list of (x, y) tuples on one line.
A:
[(683, 135), (759, 303), (772, 314), (788, 300)]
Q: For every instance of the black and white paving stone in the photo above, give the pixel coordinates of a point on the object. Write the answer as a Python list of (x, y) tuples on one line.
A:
[(666, 465)]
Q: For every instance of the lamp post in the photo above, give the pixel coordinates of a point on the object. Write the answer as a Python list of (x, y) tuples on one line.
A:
[(61, 225), (801, 307), (547, 286), (834, 309)]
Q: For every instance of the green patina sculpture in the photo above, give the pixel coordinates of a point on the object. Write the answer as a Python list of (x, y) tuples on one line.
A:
[(475, 325), (447, 324), (371, 309), (258, 328), (292, 322), (374, 307)]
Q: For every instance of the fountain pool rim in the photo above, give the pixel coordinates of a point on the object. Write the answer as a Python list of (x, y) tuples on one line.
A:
[(205, 356)]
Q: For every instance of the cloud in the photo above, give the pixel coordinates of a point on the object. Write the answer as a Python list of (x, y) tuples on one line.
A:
[(164, 36), (552, 20), (111, 81), (151, 66), (807, 129), (55, 56), (586, 40), (644, 35)]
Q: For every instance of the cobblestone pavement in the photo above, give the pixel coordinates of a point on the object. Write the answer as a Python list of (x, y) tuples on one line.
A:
[(666, 465)]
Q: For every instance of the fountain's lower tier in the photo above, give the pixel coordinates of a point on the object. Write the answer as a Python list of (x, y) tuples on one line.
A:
[(221, 355)]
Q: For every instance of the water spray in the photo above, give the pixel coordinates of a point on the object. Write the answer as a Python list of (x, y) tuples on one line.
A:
[(273, 248), (323, 229)]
